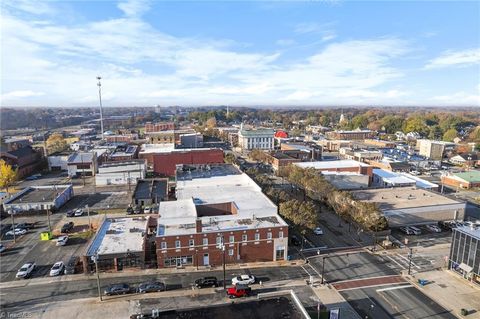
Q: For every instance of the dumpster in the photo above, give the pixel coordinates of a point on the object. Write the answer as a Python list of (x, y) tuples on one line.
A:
[(46, 235), (422, 282)]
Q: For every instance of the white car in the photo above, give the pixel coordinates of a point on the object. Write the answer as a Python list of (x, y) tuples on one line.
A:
[(78, 212), (18, 232), (318, 231), (62, 240), (434, 228), (147, 210), (57, 268), (243, 280), (26, 270)]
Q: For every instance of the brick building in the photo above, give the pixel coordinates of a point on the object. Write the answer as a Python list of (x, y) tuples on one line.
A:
[(25, 159), (121, 138), (157, 127), (218, 206), (357, 134), (469, 179), (163, 160)]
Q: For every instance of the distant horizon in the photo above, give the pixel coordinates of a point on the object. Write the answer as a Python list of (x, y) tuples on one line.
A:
[(253, 54)]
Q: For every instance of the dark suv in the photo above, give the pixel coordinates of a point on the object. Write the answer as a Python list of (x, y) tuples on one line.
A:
[(71, 265), (206, 282), (151, 287), (67, 227), (295, 241)]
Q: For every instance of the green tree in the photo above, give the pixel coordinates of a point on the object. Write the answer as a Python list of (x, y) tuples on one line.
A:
[(450, 135), (415, 124), (56, 143), (229, 158), (301, 214), (8, 175), (392, 123)]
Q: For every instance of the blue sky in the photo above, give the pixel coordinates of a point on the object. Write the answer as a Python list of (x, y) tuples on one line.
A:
[(241, 53)]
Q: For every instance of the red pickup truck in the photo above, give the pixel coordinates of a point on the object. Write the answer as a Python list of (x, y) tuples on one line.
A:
[(238, 291)]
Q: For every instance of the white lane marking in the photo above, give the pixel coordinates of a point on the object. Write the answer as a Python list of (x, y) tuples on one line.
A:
[(405, 258), (393, 288), (368, 286), (392, 259)]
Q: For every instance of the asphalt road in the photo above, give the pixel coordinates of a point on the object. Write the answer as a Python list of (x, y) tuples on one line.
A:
[(384, 301), (57, 290)]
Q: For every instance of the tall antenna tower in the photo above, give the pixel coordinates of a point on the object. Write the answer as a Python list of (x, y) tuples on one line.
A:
[(99, 84)]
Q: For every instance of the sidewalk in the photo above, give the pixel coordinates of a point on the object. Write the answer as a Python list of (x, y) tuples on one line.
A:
[(450, 291), (333, 300), (146, 272)]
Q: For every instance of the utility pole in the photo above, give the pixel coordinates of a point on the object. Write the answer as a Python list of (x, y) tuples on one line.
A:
[(95, 260), (13, 226), (410, 254), (99, 84), (88, 214)]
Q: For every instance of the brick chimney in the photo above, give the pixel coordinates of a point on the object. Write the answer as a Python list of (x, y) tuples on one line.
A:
[(199, 225)]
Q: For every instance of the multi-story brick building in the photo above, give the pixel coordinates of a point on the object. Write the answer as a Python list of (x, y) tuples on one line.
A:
[(218, 207), (357, 134), (163, 159), (157, 127)]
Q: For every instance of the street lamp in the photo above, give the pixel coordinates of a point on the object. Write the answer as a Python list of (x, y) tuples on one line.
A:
[(95, 260), (323, 268)]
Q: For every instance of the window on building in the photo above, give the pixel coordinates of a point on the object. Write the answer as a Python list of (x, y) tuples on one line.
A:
[(178, 244), (230, 252), (191, 242), (232, 239), (163, 245), (269, 235), (205, 241), (219, 240), (280, 234), (244, 237), (257, 236)]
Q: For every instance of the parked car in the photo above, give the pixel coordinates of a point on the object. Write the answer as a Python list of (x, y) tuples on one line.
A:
[(415, 230), (78, 212), (57, 269), (137, 210), (26, 270), (2, 248), (151, 287), (31, 178), (71, 265), (243, 280), (17, 232), (447, 225), (62, 240), (406, 230), (71, 213), (147, 210), (118, 289), (129, 210), (434, 228), (295, 241), (206, 282), (67, 227), (318, 231), (238, 291), (25, 226)]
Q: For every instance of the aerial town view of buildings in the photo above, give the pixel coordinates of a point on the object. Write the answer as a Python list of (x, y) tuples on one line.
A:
[(216, 160)]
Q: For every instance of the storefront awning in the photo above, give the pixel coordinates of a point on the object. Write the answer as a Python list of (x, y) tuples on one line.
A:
[(466, 268)]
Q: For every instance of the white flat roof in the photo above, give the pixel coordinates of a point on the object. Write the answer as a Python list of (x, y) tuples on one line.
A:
[(217, 185), (117, 237), (421, 183), (331, 164), (392, 178)]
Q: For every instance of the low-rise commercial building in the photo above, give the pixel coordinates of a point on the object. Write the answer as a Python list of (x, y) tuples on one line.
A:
[(467, 160), (357, 134), (469, 179), (124, 153), (384, 178), (219, 211), (339, 166), (347, 180), (150, 191), (24, 159), (164, 159), (58, 161), (38, 198), (464, 257), (360, 155), (82, 164), (119, 243), (410, 206), (121, 138), (157, 127), (191, 140), (334, 145), (121, 173)]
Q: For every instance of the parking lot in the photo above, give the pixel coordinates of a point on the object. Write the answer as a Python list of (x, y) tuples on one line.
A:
[(427, 238)]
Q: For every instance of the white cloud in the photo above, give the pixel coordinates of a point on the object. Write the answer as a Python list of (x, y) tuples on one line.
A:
[(455, 58), (323, 30), (21, 94), (458, 98), (134, 8)]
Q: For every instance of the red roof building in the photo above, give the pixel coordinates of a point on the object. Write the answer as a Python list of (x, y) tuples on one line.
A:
[(281, 134)]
